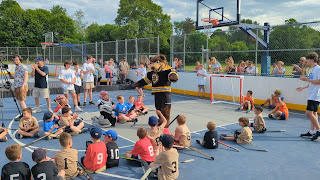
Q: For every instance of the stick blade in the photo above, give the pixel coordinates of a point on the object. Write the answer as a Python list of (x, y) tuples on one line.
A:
[(212, 158)]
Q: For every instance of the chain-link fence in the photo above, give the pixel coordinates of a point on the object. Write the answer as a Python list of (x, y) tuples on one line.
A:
[(266, 46), (131, 49)]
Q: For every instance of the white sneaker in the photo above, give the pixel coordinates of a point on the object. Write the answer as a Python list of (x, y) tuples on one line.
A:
[(49, 109), (37, 110), (77, 109)]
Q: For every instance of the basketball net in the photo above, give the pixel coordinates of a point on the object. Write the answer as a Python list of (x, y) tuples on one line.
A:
[(208, 29), (44, 46)]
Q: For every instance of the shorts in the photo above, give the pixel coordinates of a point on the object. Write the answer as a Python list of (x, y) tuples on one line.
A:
[(77, 89), (40, 92), (88, 85), (21, 96), (251, 125), (76, 123), (313, 105), (109, 75), (201, 86), (95, 80), (67, 91), (162, 99), (99, 78), (283, 116)]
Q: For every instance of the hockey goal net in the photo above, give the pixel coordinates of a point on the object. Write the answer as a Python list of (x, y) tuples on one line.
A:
[(226, 88)]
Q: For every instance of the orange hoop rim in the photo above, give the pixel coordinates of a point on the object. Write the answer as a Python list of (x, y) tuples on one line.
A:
[(210, 20)]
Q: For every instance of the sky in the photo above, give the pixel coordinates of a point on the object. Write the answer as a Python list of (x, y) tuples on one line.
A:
[(105, 11)]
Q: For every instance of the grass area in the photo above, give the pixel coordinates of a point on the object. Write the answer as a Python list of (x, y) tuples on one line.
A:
[(288, 68)]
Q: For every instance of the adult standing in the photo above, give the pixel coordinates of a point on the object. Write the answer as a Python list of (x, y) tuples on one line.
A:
[(215, 65), (41, 87), (124, 70), (20, 82), (88, 80), (101, 65), (313, 95), (297, 68)]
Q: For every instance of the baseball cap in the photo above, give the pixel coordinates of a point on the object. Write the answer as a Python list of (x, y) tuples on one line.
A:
[(38, 59), (167, 140), (47, 115), (153, 121), (96, 132), (111, 133), (60, 97), (277, 91), (39, 154)]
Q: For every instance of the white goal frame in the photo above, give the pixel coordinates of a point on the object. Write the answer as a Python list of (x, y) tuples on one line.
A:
[(239, 77)]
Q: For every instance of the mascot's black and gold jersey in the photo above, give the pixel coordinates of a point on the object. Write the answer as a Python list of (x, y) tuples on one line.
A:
[(160, 80)]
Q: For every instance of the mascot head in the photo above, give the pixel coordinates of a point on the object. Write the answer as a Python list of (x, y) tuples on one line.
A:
[(158, 63)]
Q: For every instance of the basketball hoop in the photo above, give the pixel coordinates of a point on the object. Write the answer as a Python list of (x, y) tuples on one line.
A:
[(208, 24), (43, 45)]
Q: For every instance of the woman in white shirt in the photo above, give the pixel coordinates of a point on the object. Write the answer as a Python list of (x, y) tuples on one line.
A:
[(251, 69)]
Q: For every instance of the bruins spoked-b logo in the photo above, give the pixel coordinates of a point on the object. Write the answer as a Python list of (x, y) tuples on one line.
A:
[(155, 78)]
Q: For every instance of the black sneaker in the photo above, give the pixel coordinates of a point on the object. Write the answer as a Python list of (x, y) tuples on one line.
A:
[(308, 134), (198, 141), (84, 104), (92, 103), (315, 136), (270, 116)]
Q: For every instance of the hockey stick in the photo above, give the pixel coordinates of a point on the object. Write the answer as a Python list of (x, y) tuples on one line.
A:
[(145, 176), (144, 164), (57, 103), (86, 174), (26, 145), (194, 149), (173, 120), (282, 130), (228, 146), (260, 148)]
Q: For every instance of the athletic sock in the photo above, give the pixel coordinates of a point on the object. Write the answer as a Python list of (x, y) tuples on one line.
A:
[(311, 132)]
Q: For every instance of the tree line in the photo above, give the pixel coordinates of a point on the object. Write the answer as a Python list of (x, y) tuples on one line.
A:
[(140, 19)]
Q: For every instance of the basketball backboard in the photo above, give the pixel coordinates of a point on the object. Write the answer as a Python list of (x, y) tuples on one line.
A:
[(223, 12), (48, 37)]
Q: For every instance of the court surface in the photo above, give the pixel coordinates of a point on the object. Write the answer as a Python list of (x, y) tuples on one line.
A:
[(288, 156)]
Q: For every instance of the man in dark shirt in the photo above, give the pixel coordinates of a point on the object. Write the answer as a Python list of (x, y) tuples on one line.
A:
[(41, 87)]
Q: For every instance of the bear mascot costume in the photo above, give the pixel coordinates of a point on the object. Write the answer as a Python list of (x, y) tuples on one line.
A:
[(160, 75)]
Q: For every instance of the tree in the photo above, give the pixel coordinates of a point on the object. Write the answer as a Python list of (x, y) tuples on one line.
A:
[(80, 25), (58, 10), (184, 27), (150, 20), (11, 24)]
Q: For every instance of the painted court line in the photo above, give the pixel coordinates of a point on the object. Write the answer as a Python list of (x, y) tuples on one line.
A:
[(117, 176)]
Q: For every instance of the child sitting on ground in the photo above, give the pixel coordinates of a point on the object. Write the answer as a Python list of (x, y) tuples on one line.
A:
[(142, 148), (96, 154), (28, 124), (156, 131), (15, 169), (61, 99), (130, 102), (50, 125), (105, 105), (248, 103), (45, 168), (67, 158), (122, 109), (272, 101), (243, 137), (182, 135), (139, 106), (112, 148), (280, 112), (210, 139), (3, 133), (258, 124), (73, 125), (168, 159)]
